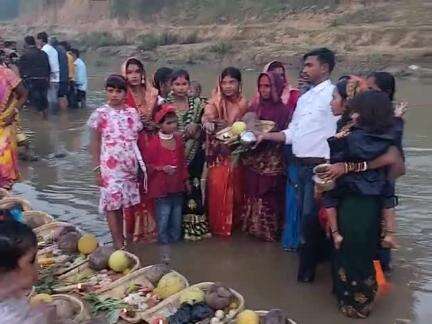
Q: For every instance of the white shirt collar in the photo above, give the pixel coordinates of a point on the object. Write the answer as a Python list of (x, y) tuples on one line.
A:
[(321, 86)]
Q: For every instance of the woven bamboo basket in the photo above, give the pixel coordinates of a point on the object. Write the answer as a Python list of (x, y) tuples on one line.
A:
[(10, 201), (264, 313), (137, 277), (3, 193), (171, 304), (82, 313), (85, 267), (48, 229), (37, 218)]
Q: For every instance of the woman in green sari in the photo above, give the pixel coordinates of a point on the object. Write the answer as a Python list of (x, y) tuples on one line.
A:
[(354, 205), (189, 111)]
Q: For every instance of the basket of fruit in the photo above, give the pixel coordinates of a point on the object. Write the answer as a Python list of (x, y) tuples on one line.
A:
[(68, 308), (140, 291), (101, 270), (49, 233), (204, 302), (35, 219), (62, 248)]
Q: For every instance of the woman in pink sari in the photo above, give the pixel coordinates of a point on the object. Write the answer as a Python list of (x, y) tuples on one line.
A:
[(265, 166), (139, 220)]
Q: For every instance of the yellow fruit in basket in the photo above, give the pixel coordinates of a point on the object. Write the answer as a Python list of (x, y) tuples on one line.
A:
[(87, 244), (248, 317), (192, 295), (41, 299), (238, 128), (118, 261), (169, 285)]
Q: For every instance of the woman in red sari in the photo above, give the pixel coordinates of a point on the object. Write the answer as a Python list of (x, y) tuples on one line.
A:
[(265, 166), (224, 192), (140, 224)]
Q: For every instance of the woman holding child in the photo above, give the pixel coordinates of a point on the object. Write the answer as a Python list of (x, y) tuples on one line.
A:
[(354, 206)]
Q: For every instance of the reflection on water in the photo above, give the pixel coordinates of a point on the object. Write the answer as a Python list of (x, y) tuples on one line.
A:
[(64, 187)]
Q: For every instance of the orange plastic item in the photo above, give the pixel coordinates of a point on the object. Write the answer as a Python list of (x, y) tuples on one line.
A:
[(383, 285)]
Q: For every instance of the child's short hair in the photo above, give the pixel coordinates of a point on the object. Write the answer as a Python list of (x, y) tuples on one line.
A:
[(116, 81), (180, 74), (195, 83), (16, 239)]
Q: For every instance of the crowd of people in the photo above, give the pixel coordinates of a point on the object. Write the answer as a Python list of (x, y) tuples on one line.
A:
[(164, 175), (47, 76)]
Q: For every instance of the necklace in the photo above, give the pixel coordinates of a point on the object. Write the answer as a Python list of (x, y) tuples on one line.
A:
[(165, 137)]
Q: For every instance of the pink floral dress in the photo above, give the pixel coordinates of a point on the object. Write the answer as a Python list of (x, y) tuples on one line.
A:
[(118, 161)]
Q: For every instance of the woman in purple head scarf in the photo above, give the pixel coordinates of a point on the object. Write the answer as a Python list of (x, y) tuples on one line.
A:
[(265, 166)]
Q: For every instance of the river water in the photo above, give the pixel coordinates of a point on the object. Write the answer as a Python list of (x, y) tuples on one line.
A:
[(262, 272)]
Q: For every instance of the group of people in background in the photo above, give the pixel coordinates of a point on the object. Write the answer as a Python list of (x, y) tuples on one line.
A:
[(47, 75), (165, 176)]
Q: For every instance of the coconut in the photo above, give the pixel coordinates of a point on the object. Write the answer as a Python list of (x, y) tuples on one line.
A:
[(192, 295), (118, 261), (69, 242), (87, 244), (61, 231), (98, 260), (156, 272), (238, 128), (275, 316), (218, 297), (248, 317), (65, 309)]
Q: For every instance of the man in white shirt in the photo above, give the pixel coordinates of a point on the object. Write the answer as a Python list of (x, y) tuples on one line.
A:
[(80, 77), (311, 125), (42, 40)]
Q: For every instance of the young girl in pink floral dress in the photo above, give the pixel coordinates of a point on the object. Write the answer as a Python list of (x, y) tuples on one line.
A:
[(115, 128)]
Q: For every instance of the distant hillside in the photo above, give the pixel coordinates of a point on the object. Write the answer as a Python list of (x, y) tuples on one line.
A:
[(192, 11), (365, 33)]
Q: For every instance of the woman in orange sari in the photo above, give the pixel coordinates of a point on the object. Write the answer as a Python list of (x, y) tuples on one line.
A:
[(139, 220), (224, 192), (12, 97)]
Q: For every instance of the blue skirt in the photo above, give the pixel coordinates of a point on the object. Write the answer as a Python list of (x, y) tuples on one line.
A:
[(291, 230)]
